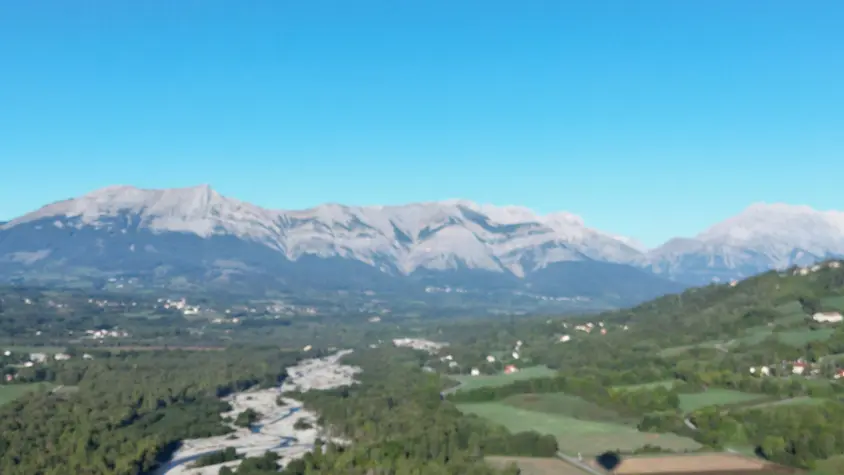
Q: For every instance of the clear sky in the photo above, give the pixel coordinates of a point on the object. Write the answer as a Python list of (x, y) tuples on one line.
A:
[(648, 118)]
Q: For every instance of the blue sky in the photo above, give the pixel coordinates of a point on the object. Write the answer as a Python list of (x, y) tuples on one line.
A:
[(648, 118)]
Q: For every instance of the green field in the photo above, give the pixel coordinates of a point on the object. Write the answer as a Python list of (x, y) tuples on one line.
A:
[(797, 338), (10, 392), (678, 350), (791, 312), (833, 303), (562, 404), (667, 384), (795, 401), (50, 350), (714, 397), (576, 435), (475, 382)]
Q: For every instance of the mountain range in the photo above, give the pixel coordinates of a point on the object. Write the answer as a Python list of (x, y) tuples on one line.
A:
[(197, 235)]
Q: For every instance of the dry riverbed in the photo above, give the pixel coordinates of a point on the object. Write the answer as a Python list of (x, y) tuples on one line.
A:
[(274, 431)]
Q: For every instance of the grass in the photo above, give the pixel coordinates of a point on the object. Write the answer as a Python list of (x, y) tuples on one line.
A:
[(831, 466), (10, 392), (534, 465), (795, 401), (501, 379), (678, 350), (564, 405), (576, 435), (797, 338), (836, 303), (34, 349), (791, 312), (714, 397), (667, 384)]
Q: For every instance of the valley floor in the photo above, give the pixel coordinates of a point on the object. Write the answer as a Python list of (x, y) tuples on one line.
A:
[(275, 430)]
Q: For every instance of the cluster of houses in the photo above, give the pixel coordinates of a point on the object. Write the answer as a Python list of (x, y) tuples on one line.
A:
[(419, 344), (800, 367), (32, 359), (444, 290), (808, 270), (588, 327), (181, 305), (103, 334)]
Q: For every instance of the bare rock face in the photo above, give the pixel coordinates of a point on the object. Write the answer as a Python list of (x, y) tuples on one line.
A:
[(201, 235)]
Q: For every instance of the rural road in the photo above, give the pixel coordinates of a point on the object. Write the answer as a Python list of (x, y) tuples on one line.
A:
[(452, 389), (577, 463)]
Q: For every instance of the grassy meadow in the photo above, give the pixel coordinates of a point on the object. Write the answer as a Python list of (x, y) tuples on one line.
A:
[(10, 392), (468, 382), (715, 397), (566, 418)]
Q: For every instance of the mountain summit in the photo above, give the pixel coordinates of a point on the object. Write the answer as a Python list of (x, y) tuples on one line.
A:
[(762, 237), (199, 235)]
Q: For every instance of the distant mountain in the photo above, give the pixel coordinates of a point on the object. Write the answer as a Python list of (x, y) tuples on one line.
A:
[(763, 237), (196, 236)]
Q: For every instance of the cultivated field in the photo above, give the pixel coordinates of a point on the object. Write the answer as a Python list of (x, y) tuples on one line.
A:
[(10, 392), (50, 350), (799, 337), (836, 303), (710, 464), (576, 435), (117, 349), (565, 405), (667, 384), (796, 401), (474, 382), (535, 465), (715, 397)]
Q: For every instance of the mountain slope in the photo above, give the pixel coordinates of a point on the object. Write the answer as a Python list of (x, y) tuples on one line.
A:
[(763, 237), (201, 236), (198, 236)]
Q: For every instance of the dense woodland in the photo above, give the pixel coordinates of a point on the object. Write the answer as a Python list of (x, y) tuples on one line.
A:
[(398, 424), (131, 409), (590, 366)]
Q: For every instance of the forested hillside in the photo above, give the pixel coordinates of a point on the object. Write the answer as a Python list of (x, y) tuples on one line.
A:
[(741, 367)]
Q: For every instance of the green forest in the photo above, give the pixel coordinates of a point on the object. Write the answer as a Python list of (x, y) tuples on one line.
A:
[(686, 367)]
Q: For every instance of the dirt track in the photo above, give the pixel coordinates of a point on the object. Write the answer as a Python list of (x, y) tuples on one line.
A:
[(702, 463)]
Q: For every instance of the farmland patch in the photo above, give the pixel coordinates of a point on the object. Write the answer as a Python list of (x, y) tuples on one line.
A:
[(496, 380), (715, 397), (577, 435), (709, 463)]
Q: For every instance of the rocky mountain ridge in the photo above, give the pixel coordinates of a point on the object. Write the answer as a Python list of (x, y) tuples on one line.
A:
[(216, 238)]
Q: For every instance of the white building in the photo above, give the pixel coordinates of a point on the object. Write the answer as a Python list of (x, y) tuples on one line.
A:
[(827, 317)]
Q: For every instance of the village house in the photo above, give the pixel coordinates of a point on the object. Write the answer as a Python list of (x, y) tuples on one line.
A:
[(798, 367), (827, 317)]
